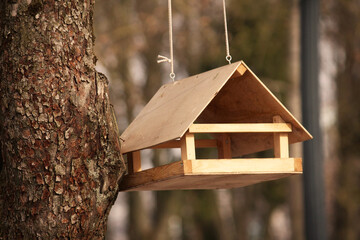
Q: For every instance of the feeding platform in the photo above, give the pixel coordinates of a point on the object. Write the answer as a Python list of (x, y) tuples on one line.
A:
[(240, 113)]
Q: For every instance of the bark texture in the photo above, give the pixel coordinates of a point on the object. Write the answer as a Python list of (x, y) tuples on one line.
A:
[(60, 153)]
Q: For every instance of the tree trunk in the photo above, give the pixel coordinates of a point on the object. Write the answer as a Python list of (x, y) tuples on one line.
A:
[(60, 161)]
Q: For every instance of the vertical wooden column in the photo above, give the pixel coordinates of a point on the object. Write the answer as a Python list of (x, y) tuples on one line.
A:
[(224, 147), (134, 162), (281, 141), (188, 147)]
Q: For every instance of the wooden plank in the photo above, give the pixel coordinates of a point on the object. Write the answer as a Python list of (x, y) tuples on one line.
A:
[(244, 165), (174, 108), (281, 145), (240, 128), (134, 162), (211, 174), (188, 147), (220, 149), (281, 141), (211, 181), (205, 143), (152, 176), (224, 146), (199, 143), (226, 143), (298, 165), (169, 144), (130, 162)]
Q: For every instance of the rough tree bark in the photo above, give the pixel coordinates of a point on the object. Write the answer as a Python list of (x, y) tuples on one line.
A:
[(60, 153)]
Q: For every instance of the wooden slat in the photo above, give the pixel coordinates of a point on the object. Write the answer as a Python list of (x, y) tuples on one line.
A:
[(152, 176), (205, 143), (281, 141), (134, 162), (240, 128), (281, 147), (169, 144), (209, 181), (199, 143), (188, 147), (224, 146), (226, 143), (211, 174), (130, 162), (246, 165)]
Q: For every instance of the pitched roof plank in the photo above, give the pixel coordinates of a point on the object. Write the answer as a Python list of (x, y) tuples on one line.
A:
[(174, 108)]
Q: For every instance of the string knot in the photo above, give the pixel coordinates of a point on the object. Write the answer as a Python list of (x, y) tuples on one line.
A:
[(162, 59)]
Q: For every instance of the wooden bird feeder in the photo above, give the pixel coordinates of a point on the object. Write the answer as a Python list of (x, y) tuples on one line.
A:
[(239, 112)]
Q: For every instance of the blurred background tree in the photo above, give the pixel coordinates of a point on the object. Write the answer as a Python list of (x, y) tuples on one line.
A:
[(343, 18), (265, 34)]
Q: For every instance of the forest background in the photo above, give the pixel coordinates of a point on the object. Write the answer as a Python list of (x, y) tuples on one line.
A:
[(266, 35)]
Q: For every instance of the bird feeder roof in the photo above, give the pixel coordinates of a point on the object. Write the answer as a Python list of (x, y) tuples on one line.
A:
[(228, 94)]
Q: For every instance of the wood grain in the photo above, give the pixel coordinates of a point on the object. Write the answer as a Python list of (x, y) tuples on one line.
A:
[(134, 162), (231, 94), (199, 143), (211, 174), (224, 146), (246, 99), (281, 141), (188, 147), (240, 128), (174, 108)]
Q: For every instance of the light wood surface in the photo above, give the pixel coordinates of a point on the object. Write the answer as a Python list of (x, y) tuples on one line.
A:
[(245, 165), (188, 147), (229, 94), (152, 176), (211, 174), (281, 141), (240, 128)]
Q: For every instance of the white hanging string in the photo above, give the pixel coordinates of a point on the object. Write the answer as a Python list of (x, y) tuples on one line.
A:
[(228, 56), (165, 59)]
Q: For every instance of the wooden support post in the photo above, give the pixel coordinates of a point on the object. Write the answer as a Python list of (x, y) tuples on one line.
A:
[(188, 147), (281, 141), (134, 162), (224, 147), (226, 142)]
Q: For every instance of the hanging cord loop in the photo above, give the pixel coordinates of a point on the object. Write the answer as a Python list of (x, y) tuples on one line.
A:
[(228, 56), (171, 59)]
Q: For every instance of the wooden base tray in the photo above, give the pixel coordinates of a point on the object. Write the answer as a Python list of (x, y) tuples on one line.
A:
[(211, 174)]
